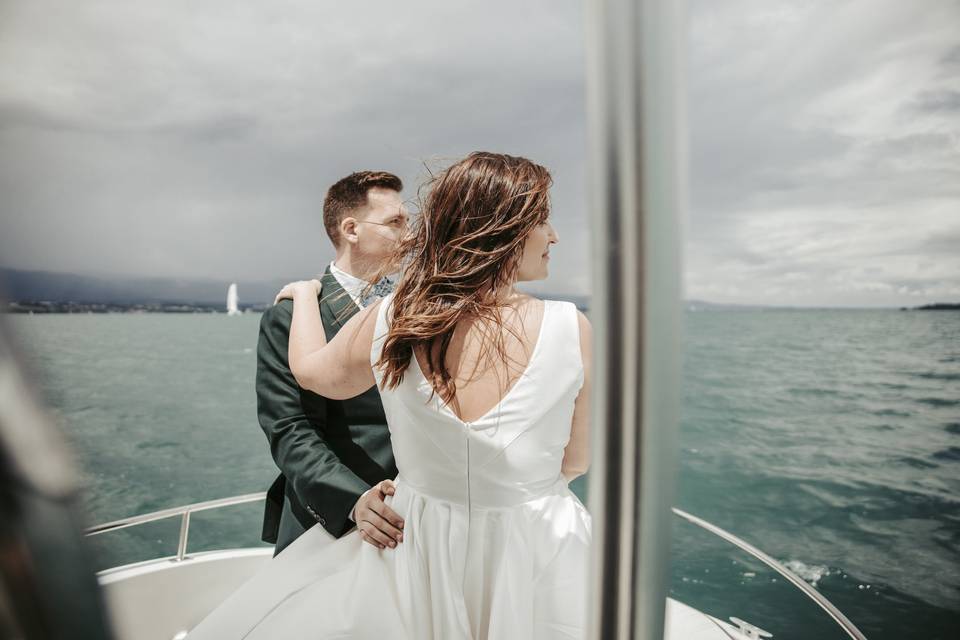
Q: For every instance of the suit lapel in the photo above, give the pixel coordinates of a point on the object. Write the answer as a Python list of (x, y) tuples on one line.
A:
[(337, 300)]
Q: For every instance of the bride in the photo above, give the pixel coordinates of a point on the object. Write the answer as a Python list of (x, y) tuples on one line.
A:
[(486, 393)]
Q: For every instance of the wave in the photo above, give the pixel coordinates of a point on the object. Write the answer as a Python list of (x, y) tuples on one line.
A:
[(891, 412), (917, 463), (811, 573), (950, 453), (939, 402), (934, 375)]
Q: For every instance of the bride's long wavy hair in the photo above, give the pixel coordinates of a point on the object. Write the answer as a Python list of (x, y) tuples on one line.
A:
[(461, 255)]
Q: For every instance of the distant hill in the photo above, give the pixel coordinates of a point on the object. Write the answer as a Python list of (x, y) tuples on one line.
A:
[(60, 288), (936, 306), (703, 305), (47, 286), (37, 286)]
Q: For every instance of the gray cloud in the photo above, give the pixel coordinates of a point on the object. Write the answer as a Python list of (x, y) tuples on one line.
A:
[(937, 101), (196, 140), (824, 152)]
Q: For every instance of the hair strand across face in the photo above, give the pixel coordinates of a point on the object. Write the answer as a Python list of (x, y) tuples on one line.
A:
[(462, 253)]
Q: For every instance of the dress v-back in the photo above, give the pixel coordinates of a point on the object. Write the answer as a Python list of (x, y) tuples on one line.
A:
[(495, 545)]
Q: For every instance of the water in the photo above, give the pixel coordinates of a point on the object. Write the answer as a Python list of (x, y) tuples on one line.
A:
[(829, 439)]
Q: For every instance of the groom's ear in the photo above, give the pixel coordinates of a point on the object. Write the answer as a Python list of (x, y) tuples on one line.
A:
[(348, 229)]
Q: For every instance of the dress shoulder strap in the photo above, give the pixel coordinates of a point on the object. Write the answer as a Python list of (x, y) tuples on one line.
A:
[(562, 356)]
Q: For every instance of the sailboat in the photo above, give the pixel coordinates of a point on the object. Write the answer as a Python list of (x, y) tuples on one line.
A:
[(232, 309)]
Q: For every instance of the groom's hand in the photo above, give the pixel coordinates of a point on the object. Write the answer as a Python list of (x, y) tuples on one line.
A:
[(379, 524)]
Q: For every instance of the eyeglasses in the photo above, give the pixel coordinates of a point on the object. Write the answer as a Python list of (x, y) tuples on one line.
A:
[(380, 224)]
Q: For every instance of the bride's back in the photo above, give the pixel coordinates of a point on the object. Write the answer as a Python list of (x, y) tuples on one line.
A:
[(511, 445), (482, 377)]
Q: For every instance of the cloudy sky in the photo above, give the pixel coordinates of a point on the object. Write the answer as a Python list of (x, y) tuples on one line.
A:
[(196, 139)]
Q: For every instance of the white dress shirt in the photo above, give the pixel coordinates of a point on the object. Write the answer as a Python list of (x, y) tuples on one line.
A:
[(350, 283)]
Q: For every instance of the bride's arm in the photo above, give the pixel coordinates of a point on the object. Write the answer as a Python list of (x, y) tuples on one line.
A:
[(576, 457), (340, 369)]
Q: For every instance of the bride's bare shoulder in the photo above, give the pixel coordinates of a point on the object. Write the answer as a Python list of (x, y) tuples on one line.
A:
[(530, 299)]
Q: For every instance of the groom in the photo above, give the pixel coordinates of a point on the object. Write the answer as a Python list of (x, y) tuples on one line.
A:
[(333, 455)]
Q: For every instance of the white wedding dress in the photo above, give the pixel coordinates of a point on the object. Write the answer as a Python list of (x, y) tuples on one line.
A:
[(495, 544)]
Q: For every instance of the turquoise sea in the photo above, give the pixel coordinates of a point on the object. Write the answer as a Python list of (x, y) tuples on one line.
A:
[(828, 438)]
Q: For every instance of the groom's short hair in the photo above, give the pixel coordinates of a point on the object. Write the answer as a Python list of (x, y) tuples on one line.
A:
[(349, 194)]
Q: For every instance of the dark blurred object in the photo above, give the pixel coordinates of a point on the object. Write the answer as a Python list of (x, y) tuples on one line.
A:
[(48, 588)]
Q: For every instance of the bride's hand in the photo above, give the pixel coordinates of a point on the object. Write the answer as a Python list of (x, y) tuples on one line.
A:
[(312, 287)]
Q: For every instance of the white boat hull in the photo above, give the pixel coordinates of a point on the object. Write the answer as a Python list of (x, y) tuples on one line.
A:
[(159, 599), (162, 599)]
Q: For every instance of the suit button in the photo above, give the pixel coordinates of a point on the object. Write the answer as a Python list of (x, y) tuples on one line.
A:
[(322, 521)]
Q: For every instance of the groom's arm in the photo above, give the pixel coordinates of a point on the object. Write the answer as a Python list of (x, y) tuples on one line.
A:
[(326, 487)]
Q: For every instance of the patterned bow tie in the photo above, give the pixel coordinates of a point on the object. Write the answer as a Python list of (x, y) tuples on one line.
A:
[(379, 290)]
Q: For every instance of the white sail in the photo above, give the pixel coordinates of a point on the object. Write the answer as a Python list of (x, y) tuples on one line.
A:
[(232, 309)]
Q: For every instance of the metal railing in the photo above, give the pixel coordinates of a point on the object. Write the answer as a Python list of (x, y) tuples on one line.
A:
[(821, 601), (184, 513)]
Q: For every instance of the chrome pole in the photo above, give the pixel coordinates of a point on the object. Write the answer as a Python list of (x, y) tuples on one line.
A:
[(637, 164)]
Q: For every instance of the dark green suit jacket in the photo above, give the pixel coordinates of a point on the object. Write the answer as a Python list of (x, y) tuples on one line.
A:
[(329, 451)]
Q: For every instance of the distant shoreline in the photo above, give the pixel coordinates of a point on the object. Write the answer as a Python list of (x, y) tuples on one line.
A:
[(53, 292), (48, 307), (936, 306), (60, 307)]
